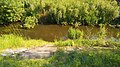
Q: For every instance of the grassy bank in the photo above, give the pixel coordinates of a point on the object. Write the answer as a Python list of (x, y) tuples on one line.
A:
[(13, 41), (84, 58), (75, 37)]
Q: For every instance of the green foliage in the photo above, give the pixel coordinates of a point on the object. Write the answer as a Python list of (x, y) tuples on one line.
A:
[(88, 58), (58, 11), (76, 39), (84, 11), (30, 22), (10, 11), (74, 33), (32, 7), (102, 35), (65, 43)]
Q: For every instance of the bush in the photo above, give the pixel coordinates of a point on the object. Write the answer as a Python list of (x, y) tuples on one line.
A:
[(90, 12), (65, 43), (30, 22), (10, 11), (87, 12), (75, 33)]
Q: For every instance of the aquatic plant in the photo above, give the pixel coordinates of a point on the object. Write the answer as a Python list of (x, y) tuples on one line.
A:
[(102, 35), (75, 33)]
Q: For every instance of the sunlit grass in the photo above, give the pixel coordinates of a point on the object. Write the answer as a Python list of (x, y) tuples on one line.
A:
[(13, 41)]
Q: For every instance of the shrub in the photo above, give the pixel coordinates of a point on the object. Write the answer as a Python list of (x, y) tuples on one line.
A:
[(90, 12), (10, 11), (75, 33), (102, 35), (30, 22), (32, 7), (84, 11)]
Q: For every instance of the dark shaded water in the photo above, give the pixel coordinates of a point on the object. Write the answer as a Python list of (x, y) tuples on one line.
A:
[(51, 32)]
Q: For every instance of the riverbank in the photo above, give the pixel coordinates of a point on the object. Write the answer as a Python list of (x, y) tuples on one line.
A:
[(14, 41), (70, 53)]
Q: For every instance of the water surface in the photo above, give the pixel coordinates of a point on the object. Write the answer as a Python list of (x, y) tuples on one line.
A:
[(51, 32)]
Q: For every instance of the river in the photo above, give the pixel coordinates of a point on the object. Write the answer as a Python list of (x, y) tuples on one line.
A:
[(50, 32)]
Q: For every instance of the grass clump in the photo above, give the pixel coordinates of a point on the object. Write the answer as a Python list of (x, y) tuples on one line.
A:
[(74, 33), (65, 43)]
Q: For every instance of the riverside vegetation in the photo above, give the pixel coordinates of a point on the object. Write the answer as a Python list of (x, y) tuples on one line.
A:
[(85, 57), (85, 12), (75, 37), (79, 12)]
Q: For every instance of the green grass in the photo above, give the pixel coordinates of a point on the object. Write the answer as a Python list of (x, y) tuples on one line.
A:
[(8, 62), (84, 58), (87, 58), (76, 38), (13, 41), (89, 42)]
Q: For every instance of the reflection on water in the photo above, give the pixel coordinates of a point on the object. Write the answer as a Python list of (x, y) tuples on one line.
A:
[(51, 32)]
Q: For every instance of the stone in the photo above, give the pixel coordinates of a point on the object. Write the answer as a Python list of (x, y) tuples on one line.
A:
[(7, 52), (45, 51), (20, 50)]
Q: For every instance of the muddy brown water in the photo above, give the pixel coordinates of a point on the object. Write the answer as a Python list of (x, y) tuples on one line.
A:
[(51, 32)]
